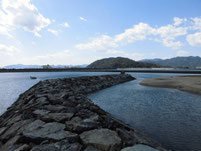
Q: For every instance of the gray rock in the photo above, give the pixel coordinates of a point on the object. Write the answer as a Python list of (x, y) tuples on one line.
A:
[(48, 147), (91, 148), (103, 139), (23, 148), (2, 130), (14, 120), (54, 131), (16, 128), (78, 125), (10, 143), (139, 147), (57, 117), (60, 146), (34, 125), (41, 112), (55, 108), (127, 137), (40, 100)]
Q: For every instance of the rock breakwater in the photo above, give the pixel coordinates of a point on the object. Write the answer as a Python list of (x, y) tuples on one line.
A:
[(56, 115)]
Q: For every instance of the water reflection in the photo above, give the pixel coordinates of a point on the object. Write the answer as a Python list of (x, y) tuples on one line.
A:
[(169, 116)]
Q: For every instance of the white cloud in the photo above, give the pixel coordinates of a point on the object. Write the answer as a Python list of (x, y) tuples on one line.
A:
[(22, 14), (182, 53), (172, 44), (179, 21), (112, 51), (168, 35), (4, 31), (138, 32), (98, 44), (196, 24), (54, 32), (136, 56), (8, 50), (61, 57), (194, 39), (57, 55), (83, 19), (65, 25)]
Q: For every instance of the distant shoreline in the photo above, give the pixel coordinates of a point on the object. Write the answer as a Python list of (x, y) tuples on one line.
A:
[(147, 70), (190, 84)]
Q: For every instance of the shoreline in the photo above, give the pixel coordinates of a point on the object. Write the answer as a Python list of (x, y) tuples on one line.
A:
[(57, 115), (190, 84)]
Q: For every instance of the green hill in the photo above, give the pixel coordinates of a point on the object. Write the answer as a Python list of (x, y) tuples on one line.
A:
[(120, 62)]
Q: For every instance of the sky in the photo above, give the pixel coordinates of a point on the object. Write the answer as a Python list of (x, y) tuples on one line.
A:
[(75, 32)]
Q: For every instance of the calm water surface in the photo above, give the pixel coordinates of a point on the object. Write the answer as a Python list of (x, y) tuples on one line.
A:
[(169, 116)]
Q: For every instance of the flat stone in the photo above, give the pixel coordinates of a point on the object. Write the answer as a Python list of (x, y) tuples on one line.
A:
[(57, 117), (41, 112), (72, 137), (139, 147), (2, 130), (54, 131), (10, 143), (91, 148), (14, 129), (59, 146), (40, 100), (103, 139), (55, 108), (23, 148), (34, 125), (78, 125), (14, 120)]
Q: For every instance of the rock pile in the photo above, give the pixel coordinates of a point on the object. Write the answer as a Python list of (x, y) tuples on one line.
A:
[(56, 115)]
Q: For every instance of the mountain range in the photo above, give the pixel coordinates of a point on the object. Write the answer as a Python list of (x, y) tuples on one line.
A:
[(120, 62), (21, 66), (190, 62)]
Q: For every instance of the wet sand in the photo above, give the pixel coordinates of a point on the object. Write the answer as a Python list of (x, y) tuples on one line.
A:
[(190, 84)]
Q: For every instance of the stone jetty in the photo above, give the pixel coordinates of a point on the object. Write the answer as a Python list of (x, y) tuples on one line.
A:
[(56, 115)]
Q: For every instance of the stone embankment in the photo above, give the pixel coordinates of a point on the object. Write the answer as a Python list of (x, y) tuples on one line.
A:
[(56, 115)]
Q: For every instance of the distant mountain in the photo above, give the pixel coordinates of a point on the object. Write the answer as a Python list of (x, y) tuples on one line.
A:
[(191, 62), (21, 66), (119, 62)]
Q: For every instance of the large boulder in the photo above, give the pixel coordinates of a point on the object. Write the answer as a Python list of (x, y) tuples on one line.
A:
[(103, 139), (139, 147), (80, 125), (52, 131)]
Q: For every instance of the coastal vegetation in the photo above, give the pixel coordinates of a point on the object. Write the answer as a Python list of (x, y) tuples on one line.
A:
[(120, 62)]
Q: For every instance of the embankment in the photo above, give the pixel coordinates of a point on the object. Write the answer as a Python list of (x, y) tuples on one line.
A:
[(56, 115)]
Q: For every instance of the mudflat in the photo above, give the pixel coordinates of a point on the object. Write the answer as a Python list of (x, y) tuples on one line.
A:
[(191, 83)]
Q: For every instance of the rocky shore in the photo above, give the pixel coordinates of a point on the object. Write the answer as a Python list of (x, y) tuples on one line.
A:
[(56, 115)]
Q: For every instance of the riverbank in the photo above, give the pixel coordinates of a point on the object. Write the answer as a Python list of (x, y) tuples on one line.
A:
[(190, 84), (57, 115)]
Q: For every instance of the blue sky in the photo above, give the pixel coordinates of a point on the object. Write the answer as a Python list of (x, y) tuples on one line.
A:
[(81, 31)]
